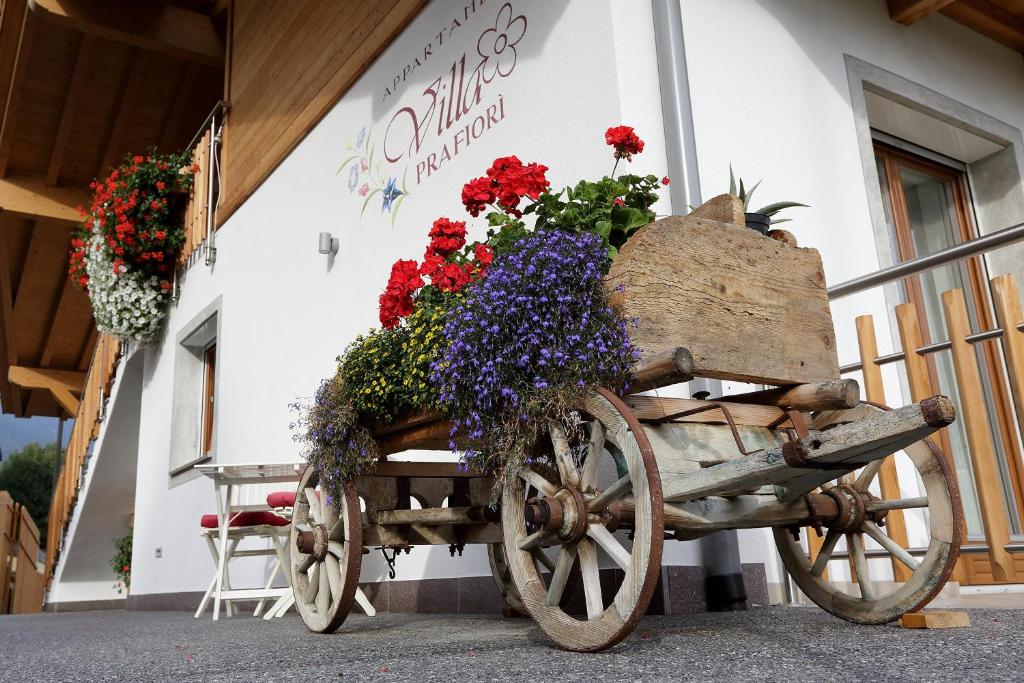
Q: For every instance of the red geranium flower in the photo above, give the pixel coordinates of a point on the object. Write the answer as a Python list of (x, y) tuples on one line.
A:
[(446, 237), (625, 142), (664, 181), (477, 194)]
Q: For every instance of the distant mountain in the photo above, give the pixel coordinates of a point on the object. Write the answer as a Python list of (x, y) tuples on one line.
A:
[(15, 432)]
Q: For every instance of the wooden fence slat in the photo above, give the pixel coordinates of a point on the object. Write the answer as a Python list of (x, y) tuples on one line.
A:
[(1009, 315), (28, 582), (979, 436), (888, 480), (911, 339), (8, 520)]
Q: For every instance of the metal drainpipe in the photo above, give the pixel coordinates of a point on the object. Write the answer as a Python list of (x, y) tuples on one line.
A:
[(723, 576)]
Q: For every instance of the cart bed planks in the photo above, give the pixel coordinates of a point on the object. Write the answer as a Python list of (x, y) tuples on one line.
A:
[(748, 308)]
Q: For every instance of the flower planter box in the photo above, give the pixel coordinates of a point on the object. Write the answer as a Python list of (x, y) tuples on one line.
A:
[(748, 308)]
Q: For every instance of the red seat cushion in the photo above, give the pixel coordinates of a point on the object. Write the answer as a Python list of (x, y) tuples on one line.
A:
[(281, 499), (249, 518)]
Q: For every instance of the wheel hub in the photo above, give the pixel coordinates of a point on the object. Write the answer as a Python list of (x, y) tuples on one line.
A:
[(563, 514), (313, 542)]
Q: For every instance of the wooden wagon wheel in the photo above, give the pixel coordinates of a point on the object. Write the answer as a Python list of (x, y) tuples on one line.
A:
[(327, 552), (943, 516), (606, 478)]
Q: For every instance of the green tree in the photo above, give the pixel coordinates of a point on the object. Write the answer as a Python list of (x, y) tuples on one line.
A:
[(28, 476)]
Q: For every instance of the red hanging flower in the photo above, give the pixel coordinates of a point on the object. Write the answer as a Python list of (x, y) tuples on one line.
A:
[(625, 142), (396, 301), (477, 194)]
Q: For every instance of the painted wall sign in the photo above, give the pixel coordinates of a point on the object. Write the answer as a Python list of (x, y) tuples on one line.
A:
[(458, 106)]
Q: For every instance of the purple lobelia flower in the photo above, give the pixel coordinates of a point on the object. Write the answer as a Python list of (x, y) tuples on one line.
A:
[(528, 339)]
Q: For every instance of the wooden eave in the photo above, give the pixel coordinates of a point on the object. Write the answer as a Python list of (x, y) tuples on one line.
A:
[(1000, 20), (82, 83)]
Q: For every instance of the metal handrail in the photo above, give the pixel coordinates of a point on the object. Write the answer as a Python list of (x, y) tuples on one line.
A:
[(973, 247), (929, 348)]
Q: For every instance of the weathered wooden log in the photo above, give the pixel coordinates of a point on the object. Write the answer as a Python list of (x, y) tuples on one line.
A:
[(650, 408), (473, 514), (847, 447), (429, 436), (747, 307), (837, 394), (671, 366)]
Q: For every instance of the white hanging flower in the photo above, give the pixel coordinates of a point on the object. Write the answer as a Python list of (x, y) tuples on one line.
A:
[(124, 304)]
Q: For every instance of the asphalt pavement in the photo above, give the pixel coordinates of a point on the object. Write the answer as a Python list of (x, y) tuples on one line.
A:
[(771, 643)]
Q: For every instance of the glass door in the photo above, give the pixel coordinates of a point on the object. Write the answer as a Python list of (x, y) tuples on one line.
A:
[(927, 208)]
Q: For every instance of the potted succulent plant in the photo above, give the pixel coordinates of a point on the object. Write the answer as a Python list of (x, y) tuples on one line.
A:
[(763, 218)]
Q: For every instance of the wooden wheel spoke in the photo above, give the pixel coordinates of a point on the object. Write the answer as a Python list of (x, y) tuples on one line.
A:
[(894, 548), (538, 482), (563, 455), (337, 532), (337, 549), (611, 494), (333, 574), (313, 587), (855, 544), (900, 504), (542, 557), (329, 512), (825, 553), (595, 449), (591, 578), (323, 595), (313, 500), (307, 562), (867, 475), (610, 545), (566, 559), (535, 540)]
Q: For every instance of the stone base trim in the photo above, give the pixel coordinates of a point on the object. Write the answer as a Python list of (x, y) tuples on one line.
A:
[(86, 605), (680, 590)]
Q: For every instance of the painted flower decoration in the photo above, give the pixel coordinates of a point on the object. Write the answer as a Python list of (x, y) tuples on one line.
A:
[(361, 138), (390, 193), (353, 177), (498, 45)]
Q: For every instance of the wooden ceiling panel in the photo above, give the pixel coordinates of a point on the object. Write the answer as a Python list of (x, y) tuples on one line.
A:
[(17, 231), (97, 107), (41, 403), (42, 96), (71, 324), (38, 293)]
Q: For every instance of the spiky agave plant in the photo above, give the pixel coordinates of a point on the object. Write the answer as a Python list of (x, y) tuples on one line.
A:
[(745, 194)]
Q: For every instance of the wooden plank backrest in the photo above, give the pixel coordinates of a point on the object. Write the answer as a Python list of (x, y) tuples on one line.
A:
[(747, 307), (28, 582)]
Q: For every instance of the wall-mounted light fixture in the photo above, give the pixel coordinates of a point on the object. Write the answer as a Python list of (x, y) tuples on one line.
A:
[(328, 244)]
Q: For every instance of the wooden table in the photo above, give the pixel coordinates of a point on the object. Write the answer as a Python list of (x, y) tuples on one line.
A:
[(227, 479)]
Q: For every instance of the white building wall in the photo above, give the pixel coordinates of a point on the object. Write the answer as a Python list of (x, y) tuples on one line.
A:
[(769, 94)]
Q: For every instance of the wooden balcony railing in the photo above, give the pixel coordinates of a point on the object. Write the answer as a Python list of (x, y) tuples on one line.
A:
[(196, 220), (98, 382), (998, 563)]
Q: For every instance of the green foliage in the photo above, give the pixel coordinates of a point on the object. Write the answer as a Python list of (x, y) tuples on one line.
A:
[(121, 562), (613, 208), (745, 194), (28, 476)]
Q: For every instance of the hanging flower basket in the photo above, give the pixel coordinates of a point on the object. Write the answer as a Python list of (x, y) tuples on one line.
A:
[(124, 256)]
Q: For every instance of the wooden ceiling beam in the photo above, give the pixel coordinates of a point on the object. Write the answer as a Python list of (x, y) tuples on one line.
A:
[(76, 87), (46, 378), (30, 195), (909, 12), (13, 93), (85, 355), (156, 26), (989, 19), (16, 406), (129, 94)]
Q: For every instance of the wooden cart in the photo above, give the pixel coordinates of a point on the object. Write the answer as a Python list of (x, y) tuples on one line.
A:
[(590, 514)]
